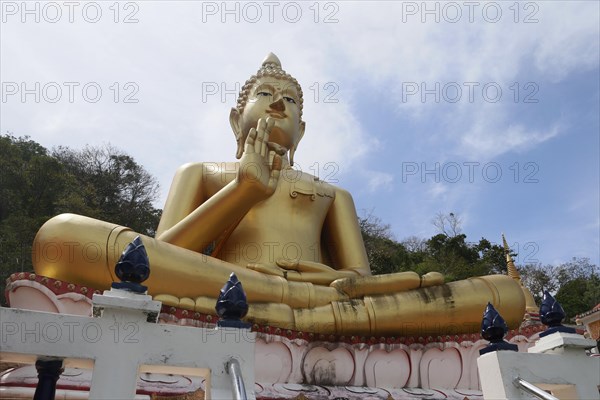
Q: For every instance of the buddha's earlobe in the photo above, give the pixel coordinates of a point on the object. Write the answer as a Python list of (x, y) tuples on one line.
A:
[(300, 135), (234, 121)]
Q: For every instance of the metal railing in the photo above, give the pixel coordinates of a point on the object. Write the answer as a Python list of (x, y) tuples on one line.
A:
[(237, 381), (532, 389)]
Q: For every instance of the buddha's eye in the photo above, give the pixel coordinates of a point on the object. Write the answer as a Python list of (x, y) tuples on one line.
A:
[(263, 93), (289, 99)]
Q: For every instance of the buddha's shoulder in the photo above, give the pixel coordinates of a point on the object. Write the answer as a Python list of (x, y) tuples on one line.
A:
[(209, 167), (212, 175), (302, 180)]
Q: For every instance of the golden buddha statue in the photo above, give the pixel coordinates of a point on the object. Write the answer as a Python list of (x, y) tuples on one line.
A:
[(292, 240)]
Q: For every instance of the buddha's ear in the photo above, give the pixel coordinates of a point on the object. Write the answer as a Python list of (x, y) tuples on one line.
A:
[(301, 129), (235, 122), (300, 132)]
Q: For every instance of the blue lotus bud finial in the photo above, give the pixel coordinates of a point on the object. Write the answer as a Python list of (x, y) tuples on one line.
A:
[(232, 305), (493, 328), (552, 315), (133, 267), (551, 312)]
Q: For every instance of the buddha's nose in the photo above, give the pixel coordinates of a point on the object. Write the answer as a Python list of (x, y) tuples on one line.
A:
[(278, 105)]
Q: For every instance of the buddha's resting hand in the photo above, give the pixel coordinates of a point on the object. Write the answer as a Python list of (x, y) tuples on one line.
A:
[(260, 167), (359, 286), (303, 271)]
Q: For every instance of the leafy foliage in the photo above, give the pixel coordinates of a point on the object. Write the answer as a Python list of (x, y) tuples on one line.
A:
[(575, 283), (384, 253), (117, 189), (36, 185), (31, 183)]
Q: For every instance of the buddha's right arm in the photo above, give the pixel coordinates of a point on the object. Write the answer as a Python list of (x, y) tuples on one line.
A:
[(192, 220)]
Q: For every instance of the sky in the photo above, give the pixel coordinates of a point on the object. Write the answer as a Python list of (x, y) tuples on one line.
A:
[(487, 109)]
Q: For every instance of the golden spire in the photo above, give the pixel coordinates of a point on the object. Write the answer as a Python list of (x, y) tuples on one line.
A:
[(510, 264), (530, 306)]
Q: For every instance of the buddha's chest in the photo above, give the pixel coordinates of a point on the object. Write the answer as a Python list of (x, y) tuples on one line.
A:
[(286, 225), (296, 210), (301, 195)]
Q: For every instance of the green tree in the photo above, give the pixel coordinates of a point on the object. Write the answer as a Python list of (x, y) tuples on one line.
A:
[(447, 252), (102, 183), (384, 253), (452, 256), (492, 256), (117, 189), (538, 279), (31, 184), (575, 284), (579, 286), (576, 296)]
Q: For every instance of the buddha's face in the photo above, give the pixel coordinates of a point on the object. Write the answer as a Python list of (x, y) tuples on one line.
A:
[(277, 99)]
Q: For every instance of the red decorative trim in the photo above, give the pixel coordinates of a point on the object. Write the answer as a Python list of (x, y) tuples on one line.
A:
[(592, 311), (59, 287)]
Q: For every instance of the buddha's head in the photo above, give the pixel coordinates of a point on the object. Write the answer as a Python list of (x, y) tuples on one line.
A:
[(272, 93)]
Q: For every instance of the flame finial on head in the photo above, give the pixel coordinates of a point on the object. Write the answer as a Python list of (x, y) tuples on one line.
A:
[(271, 59)]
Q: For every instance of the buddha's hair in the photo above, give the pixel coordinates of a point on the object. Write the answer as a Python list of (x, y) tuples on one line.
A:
[(271, 70)]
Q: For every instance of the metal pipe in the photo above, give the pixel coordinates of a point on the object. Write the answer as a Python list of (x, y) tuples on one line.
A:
[(235, 371), (532, 389), (49, 371)]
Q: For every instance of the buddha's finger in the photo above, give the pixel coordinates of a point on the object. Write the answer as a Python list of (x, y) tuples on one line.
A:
[(276, 164), (277, 148), (260, 137), (304, 265), (291, 265), (250, 141), (263, 145), (267, 132), (265, 269), (294, 276), (275, 172), (273, 179)]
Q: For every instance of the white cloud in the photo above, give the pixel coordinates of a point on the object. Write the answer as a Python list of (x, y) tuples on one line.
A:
[(437, 191), (485, 139), (379, 181), (171, 53)]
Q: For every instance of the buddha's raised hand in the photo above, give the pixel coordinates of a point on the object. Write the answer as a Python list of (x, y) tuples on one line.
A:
[(260, 167)]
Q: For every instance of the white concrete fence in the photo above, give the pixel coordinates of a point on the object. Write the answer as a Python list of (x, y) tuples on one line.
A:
[(557, 367), (123, 340)]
